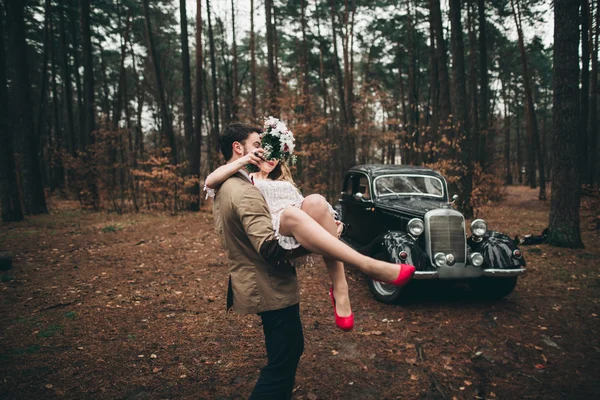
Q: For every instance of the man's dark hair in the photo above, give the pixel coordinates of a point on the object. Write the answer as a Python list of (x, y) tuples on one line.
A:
[(234, 132)]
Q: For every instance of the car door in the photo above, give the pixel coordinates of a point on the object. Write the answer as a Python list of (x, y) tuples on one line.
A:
[(359, 209)]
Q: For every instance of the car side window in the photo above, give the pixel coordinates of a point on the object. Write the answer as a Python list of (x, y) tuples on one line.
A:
[(363, 187), (348, 185)]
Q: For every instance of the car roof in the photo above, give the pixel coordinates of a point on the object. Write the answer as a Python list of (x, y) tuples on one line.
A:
[(375, 170)]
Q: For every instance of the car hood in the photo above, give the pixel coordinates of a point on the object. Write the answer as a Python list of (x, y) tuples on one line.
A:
[(413, 205)]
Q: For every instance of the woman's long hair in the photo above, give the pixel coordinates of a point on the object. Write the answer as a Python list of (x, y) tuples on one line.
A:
[(282, 173)]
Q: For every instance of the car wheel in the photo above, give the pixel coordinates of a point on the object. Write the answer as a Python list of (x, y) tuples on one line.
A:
[(384, 292), (493, 288)]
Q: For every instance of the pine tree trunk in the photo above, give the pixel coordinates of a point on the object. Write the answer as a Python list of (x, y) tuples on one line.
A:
[(564, 229), (66, 77), (460, 106), (252, 63), (508, 180), (472, 94), (442, 61), (585, 92), (338, 71), (33, 188), (75, 43), (196, 152), (484, 98), (413, 94), (54, 171), (434, 83), (305, 67), (41, 114), (593, 123), (534, 148), (213, 67), (9, 195), (272, 84), (139, 139), (88, 74), (235, 93), (164, 111), (188, 123), (322, 79)]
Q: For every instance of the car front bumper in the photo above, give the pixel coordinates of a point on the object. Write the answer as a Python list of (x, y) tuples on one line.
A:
[(468, 272)]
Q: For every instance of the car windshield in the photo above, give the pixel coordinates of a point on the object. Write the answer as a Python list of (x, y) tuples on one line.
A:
[(410, 185)]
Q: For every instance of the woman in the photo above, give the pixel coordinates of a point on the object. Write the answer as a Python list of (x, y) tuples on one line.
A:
[(309, 222)]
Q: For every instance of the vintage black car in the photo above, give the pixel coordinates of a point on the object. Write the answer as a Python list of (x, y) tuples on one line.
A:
[(404, 214)]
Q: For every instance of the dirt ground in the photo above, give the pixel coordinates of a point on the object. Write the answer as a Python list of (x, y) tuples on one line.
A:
[(133, 307)]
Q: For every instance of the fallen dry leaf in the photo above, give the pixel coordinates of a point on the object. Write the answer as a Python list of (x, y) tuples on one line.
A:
[(335, 352)]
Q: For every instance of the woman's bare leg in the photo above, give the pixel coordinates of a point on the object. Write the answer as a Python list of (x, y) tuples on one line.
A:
[(314, 238), (317, 208)]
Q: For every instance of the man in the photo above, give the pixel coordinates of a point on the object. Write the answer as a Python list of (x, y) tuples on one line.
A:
[(261, 281)]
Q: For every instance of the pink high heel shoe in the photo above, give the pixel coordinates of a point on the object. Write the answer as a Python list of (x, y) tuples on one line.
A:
[(344, 323)]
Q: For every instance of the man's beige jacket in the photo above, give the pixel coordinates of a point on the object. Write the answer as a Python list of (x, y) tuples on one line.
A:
[(259, 277)]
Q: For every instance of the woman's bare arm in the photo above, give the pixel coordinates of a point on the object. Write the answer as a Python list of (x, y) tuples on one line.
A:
[(220, 175)]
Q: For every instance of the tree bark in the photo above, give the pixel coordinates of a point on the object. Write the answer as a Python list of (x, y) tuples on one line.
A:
[(9, 195), (252, 63), (413, 93), (306, 111), (461, 107), (484, 98), (273, 84), (188, 123), (338, 71), (196, 152), (33, 188), (593, 127), (44, 79), (215, 99), (88, 74), (66, 77), (164, 112), (235, 93), (75, 38), (442, 61), (434, 83), (564, 229), (472, 94), (585, 92), (534, 148), (322, 79), (508, 180)]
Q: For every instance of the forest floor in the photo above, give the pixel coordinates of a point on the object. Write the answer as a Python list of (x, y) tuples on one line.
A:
[(133, 307)]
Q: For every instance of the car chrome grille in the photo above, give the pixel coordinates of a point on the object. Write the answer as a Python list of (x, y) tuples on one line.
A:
[(446, 234)]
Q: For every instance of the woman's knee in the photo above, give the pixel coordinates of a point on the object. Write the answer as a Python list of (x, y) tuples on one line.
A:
[(315, 203), (292, 215)]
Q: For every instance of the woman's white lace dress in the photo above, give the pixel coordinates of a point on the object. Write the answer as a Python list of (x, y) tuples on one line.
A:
[(279, 196)]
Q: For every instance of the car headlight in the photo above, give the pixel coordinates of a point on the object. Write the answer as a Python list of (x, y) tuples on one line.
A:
[(476, 259), (440, 259), (479, 228), (415, 227)]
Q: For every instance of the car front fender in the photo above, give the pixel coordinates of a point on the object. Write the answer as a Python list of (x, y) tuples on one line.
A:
[(497, 250), (395, 242)]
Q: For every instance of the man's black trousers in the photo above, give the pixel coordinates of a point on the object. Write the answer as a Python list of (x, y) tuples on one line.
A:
[(285, 343)]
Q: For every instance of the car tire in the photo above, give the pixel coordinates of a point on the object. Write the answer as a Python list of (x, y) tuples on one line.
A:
[(384, 292), (493, 288)]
